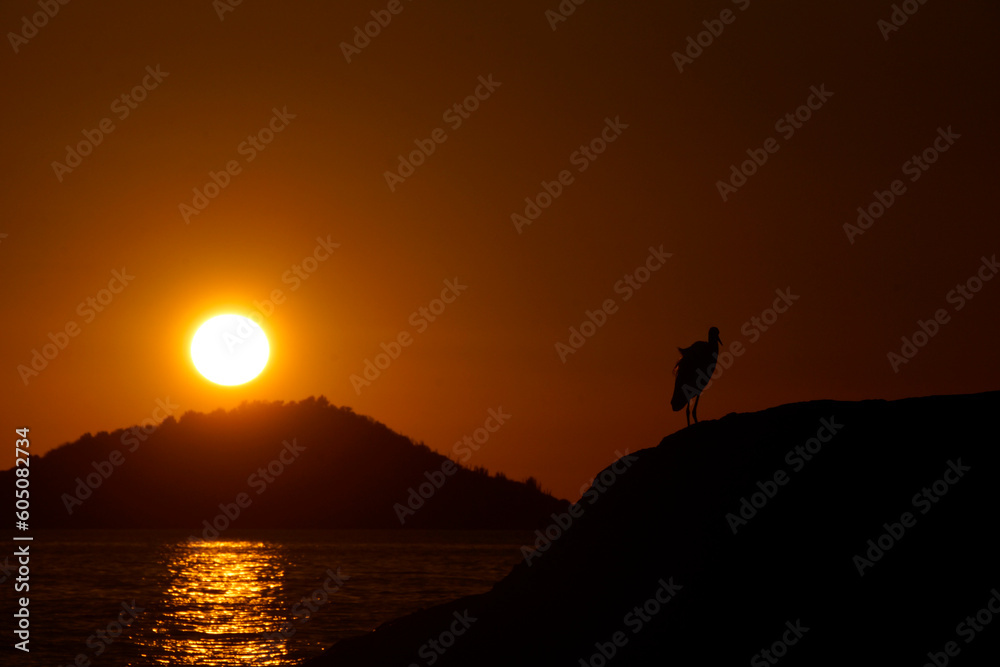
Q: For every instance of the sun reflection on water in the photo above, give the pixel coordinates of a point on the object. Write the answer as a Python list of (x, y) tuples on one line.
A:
[(220, 603)]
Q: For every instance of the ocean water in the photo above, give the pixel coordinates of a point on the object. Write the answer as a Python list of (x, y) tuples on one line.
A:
[(233, 601)]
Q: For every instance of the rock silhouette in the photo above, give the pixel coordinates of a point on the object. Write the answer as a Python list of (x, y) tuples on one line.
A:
[(824, 533)]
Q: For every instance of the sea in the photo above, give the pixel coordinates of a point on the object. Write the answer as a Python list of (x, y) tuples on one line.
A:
[(122, 598)]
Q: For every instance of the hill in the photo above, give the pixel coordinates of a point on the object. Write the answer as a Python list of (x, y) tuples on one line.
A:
[(271, 465), (820, 533)]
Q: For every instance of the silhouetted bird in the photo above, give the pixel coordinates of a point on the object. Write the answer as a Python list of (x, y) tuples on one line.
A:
[(694, 371)]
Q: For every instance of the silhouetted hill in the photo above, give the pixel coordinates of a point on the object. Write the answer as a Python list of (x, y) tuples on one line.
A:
[(300, 465), (788, 574)]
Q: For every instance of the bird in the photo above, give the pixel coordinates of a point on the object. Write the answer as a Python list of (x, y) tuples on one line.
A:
[(693, 372)]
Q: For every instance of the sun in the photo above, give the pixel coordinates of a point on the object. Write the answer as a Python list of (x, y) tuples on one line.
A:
[(230, 349)]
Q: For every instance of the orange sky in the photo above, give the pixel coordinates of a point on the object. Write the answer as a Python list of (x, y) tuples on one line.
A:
[(662, 139)]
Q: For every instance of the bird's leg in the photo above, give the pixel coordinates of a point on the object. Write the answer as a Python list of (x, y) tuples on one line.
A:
[(687, 412), (696, 408)]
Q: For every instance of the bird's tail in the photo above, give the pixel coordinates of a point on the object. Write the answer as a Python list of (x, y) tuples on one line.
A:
[(678, 401)]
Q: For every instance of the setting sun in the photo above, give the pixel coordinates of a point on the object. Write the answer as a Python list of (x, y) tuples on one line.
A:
[(230, 349)]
